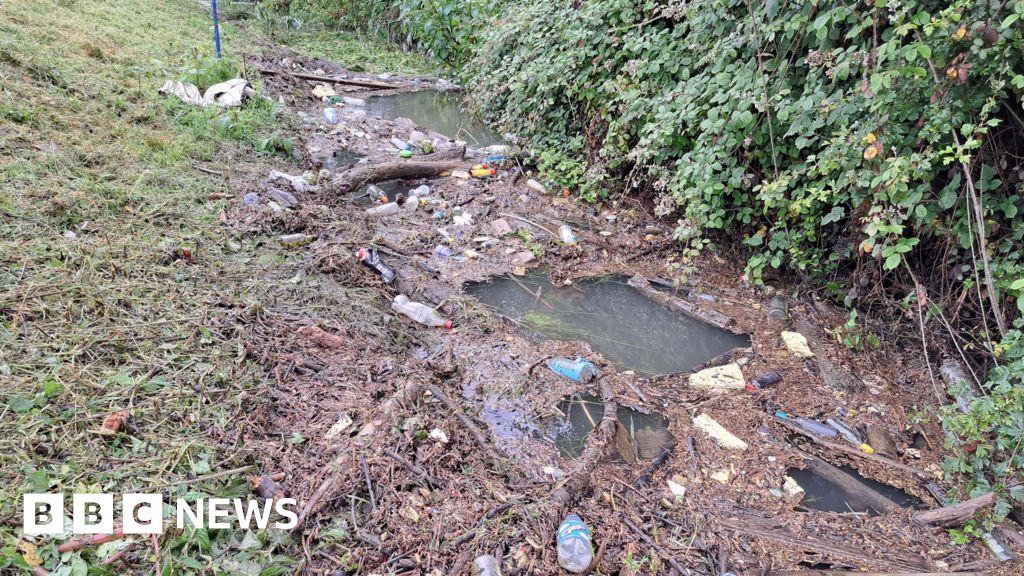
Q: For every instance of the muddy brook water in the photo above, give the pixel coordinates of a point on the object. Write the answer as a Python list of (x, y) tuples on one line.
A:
[(628, 328), (825, 495), (438, 111), (647, 432)]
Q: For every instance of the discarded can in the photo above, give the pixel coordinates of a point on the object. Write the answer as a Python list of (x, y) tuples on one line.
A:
[(371, 259), (578, 369), (566, 235), (482, 172), (778, 309), (763, 381), (574, 550)]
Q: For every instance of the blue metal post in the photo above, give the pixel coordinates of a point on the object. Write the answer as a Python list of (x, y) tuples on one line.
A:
[(216, 27)]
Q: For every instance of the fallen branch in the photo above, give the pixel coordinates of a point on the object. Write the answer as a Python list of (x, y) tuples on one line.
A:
[(367, 434), (360, 176), (855, 452), (956, 514), (717, 319), (331, 80), (750, 525), (94, 540)]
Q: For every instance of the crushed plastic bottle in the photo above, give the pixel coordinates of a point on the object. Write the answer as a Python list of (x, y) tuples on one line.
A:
[(813, 426), (566, 235), (331, 115), (421, 313), (371, 259), (574, 550), (577, 369)]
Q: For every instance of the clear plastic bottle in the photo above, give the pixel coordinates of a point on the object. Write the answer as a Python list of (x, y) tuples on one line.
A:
[(419, 312), (574, 550), (388, 209)]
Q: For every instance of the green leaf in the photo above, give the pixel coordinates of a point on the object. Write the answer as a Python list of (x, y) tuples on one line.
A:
[(1017, 284), (892, 261), (21, 403), (924, 50)]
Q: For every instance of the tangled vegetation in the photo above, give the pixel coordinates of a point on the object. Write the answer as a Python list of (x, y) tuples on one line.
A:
[(854, 143)]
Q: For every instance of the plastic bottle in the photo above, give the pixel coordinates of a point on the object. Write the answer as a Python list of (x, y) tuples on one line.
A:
[(384, 210), (778, 309), (536, 186), (576, 369), (422, 191), (371, 259), (566, 235), (486, 566), (815, 427), (419, 312), (411, 203), (293, 240), (331, 115), (763, 381), (574, 550), (400, 144), (482, 172)]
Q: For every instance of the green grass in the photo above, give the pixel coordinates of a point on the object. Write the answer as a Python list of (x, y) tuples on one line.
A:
[(355, 50), (99, 310)]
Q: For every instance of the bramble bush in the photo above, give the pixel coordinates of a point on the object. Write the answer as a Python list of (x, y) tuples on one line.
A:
[(833, 138)]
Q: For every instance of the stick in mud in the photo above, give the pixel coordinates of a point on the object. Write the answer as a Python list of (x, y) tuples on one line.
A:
[(473, 429)]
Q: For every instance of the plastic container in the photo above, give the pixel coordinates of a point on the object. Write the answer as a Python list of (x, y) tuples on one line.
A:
[(576, 369), (764, 380), (575, 552), (814, 427), (421, 313), (566, 235), (536, 186), (778, 309), (486, 566), (293, 240), (388, 209), (371, 259)]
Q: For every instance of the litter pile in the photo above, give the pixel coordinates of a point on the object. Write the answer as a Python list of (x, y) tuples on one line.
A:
[(434, 425)]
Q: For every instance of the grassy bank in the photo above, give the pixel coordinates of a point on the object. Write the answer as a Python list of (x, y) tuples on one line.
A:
[(120, 287)]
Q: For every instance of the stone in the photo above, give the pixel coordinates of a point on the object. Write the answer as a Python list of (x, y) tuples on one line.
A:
[(797, 344), (719, 434), (523, 258), (722, 476), (724, 377), (675, 485), (500, 227)]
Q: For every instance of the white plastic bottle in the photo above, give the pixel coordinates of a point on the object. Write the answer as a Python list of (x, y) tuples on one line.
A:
[(574, 550), (419, 312), (384, 210)]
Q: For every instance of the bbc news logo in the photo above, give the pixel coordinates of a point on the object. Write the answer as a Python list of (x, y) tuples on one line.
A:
[(143, 513)]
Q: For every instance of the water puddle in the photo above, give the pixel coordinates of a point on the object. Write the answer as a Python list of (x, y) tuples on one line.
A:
[(439, 111), (845, 490), (339, 160), (628, 328), (648, 433), (390, 187)]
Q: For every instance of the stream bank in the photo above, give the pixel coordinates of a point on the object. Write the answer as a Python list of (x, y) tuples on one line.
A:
[(426, 447)]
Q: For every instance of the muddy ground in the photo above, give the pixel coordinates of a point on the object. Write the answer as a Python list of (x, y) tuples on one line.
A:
[(399, 472)]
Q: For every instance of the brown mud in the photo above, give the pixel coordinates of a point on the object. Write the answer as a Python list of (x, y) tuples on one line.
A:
[(421, 481)]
